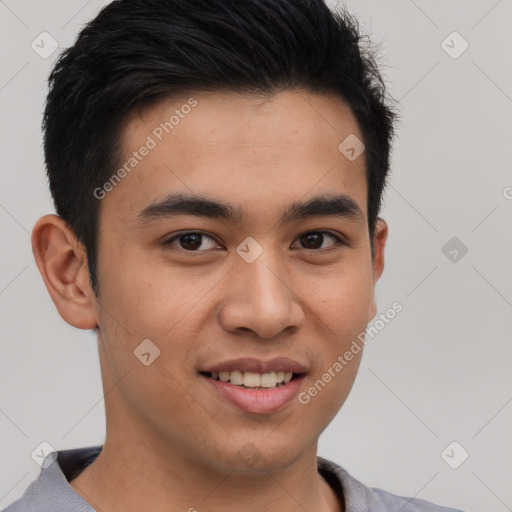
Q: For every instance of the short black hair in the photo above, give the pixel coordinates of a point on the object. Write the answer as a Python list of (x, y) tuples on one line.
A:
[(136, 52)]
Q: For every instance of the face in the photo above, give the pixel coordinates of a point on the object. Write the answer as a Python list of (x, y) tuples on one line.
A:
[(242, 282)]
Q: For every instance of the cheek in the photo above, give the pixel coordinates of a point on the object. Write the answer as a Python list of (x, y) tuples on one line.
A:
[(161, 303), (145, 297), (341, 305), (342, 299)]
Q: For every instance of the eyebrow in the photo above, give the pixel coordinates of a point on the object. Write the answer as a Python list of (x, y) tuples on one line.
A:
[(174, 204)]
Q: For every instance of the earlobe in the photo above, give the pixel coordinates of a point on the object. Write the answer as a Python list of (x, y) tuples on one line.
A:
[(379, 243), (62, 262), (373, 310)]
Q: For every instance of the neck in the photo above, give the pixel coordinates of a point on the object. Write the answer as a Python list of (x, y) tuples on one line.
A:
[(132, 476)]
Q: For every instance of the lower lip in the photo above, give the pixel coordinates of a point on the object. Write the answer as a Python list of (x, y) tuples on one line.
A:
[(258, 401)]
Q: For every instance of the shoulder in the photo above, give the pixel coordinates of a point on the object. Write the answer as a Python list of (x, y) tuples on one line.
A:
[(51, 492), (383, 500), (359, 497)]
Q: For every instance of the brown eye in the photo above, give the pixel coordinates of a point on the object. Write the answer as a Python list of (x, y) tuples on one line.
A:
[(314, 239), (189, 241)]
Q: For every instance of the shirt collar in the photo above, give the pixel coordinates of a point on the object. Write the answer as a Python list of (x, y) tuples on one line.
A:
[(70, 463)]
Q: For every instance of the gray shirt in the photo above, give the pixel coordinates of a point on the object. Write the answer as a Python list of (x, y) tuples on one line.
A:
[(51, 492)]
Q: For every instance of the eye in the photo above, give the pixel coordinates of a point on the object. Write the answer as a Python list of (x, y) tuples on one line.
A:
[(313, 240), (190, 241)]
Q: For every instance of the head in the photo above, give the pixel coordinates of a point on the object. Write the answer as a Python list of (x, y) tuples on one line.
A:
[(235, 111)]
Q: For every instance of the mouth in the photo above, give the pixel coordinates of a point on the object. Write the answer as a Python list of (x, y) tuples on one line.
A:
[(253, 380), (255, 386)]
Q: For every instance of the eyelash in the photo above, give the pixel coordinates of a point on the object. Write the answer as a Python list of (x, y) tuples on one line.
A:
[(338, 240)]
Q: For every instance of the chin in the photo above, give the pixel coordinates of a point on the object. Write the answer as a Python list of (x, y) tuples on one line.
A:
[(259, 456)]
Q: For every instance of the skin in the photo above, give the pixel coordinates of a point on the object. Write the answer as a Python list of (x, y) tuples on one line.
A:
[(171, 443)]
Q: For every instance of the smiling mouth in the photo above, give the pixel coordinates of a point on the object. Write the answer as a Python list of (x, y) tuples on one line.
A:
[(253, 380)]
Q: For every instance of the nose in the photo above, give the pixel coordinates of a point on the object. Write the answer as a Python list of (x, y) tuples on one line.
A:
[(260, 299)]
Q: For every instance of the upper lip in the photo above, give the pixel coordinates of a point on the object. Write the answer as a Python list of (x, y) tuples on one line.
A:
[(247, 364)]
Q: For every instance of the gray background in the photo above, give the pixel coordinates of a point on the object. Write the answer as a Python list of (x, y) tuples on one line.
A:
[(439, 372)]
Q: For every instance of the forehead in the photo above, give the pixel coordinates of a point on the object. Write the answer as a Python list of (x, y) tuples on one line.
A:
[(213, 118), (254, 151)]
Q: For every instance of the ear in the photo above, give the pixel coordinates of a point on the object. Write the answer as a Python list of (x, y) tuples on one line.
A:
[(379, 242), (62, 262)]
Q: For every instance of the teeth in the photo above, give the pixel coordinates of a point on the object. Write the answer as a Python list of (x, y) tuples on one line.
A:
[(253, 379), (269, 380), (236, 378)]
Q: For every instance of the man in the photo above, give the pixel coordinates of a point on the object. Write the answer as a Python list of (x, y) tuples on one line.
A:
[(217, 170)]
